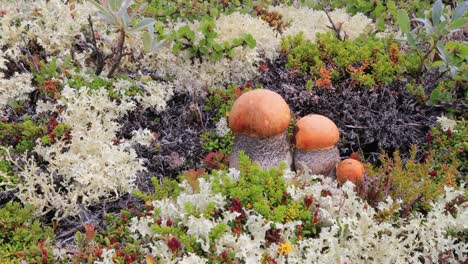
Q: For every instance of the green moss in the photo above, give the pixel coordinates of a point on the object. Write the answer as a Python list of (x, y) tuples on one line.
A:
[(22, 237), (21, 136), (415, 183), (168, 189), (211, 142), (368, 61), (302, 54), (6, 170), (449, 148), (97, 83), (218, 231), (263, 190)]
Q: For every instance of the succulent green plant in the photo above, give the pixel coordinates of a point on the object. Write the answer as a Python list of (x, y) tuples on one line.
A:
[(115, 13), (428, 39)]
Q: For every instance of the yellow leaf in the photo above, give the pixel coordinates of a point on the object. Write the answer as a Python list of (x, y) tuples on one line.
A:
[(150, 260)]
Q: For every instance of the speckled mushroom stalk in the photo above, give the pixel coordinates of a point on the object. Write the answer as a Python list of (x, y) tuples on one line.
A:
[(260, 120), (316, 137)]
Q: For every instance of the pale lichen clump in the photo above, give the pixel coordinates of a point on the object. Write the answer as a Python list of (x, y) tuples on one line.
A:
[(366, 239), (312, 21), (236, 25), (90, 167), (197, 76), (52, 24), (16, 87)]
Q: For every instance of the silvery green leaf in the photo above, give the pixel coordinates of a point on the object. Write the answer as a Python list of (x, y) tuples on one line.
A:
[(453, 70), (403, 21), (425, 22), (460, 10), (124, 6), (157, 44), (147, 41), (103, 11), (142, 7), (437, 11), (145, 22), (125, 18), (442, 51), (115, 4)]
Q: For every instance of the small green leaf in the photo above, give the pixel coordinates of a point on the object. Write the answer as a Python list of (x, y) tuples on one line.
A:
[(217, 47), (403, 21), (145, 22), (236, 42), (380, 22), (147, 41), (437, 63), (230, 53), (250, 41), (459, 22)]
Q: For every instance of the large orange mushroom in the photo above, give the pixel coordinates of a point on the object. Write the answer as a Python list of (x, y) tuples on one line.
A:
[(349, 170), (316, 137), (260, 120)]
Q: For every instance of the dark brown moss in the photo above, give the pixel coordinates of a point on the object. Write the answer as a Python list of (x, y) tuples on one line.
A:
[(387, 118)]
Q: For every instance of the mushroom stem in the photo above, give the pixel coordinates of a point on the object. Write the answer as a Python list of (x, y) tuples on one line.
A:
[(321, 162), (267, 152)]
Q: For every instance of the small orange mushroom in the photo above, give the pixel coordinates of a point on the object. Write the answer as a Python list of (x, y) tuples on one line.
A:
[(349, 170), (316, 137), (260, 120)]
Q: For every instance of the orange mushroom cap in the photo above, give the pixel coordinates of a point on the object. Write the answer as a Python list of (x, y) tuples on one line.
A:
[(316, 132), (349, 170), (259, 113)]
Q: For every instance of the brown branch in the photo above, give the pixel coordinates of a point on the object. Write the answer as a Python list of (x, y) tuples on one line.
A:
[(117, 53), (334, 27), (99, 56), (26, 49)]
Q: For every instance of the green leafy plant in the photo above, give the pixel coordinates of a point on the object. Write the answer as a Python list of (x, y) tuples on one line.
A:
[(428, 38), (23, 238), (167, 188), (7, 174), (97, 83), (220, 101), (46, 71), (207, 47), (115, 12), (167, 10), (22, 136)]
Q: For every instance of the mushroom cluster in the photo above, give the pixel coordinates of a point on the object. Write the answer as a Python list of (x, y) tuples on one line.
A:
[(259, 120)]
